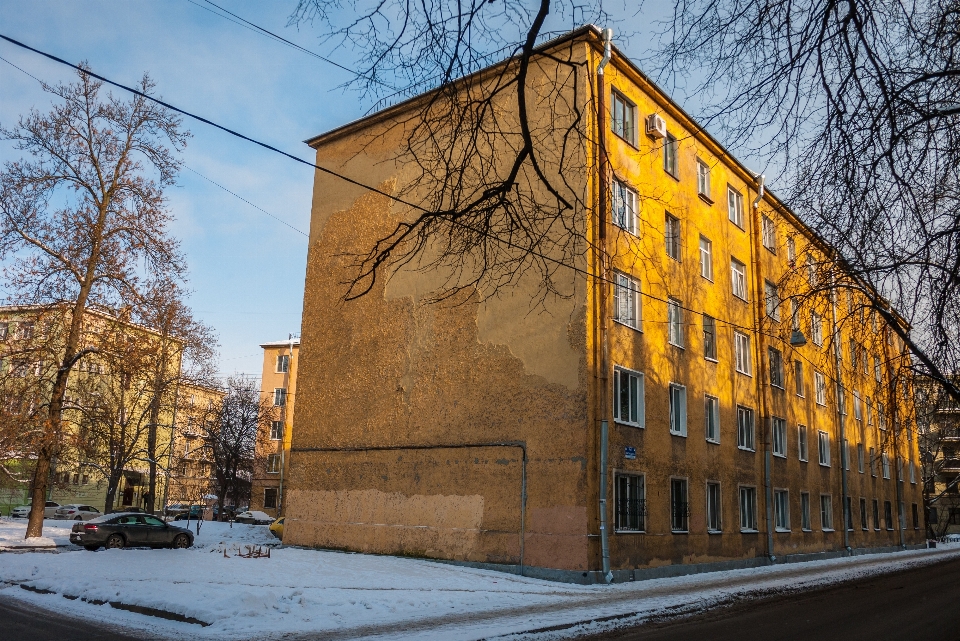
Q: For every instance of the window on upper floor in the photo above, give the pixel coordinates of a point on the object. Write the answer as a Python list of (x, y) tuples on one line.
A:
[(626, 300), (671, 236), (711, 413), (678, 409), (283, 363), (273, 464), (768, 234), (279, 397), (791, 250), (738, 274), (823, 442), (876, 368), (624, 202), (816, 329), (670, 155), (675, 322), (776, 367), (276, 430), (780, 437), (735, 207), (709, 337), (706, 258), (623, 117), (811, 271), (746, 433), (803, 447), (741, 350), (772, 300), (628, 397), (703, 179), (798, 377)]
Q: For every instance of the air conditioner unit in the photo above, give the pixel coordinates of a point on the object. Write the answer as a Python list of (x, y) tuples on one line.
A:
[(656, 126)]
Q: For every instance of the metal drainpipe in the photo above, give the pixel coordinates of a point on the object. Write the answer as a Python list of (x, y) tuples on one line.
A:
[(838, 345), (602, 312), (762, 372)]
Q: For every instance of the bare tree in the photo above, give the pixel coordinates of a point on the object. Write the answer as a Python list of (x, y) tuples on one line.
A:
[(83, 223), (856, 105), (231, 432)]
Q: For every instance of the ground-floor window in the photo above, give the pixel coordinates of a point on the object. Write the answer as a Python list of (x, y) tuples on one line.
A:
[(848, 513), (826, 512), (714, 523), (888, 514), (916, 517), (679, 507), (630, 503), (805, 511), (748, 508), (863, 514), (270, 498), (876, 514), (781, 510)]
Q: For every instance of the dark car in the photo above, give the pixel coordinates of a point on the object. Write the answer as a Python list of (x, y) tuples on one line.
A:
[(121, 530), (128, 510), (193, 514)]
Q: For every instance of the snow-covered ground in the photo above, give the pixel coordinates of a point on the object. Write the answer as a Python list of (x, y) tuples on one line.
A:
[(55, 533), (333, 595)]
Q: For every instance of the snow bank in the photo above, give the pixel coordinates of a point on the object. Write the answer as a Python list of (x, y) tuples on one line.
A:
[(339, 595), (12, 531)]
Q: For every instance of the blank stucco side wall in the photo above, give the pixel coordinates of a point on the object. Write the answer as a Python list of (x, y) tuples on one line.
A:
[(390, 370)]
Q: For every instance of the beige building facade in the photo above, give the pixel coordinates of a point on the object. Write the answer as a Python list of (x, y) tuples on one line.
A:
[(671, 409), (278, 389)]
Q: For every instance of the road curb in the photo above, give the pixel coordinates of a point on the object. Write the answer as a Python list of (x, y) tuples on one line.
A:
[(119, 605)]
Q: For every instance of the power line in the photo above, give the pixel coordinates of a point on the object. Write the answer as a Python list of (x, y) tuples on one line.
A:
[(357, 183), (234, 18)]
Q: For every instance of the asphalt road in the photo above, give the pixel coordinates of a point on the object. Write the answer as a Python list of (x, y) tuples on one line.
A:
[(920, 603)]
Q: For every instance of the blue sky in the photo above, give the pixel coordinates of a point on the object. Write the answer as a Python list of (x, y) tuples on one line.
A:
[(246, 269)]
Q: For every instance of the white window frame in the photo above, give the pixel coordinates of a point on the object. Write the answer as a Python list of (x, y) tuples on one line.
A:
[(276, 497), (803, 443), (624, 207), (678, 409), (805, 524), (641, 514), (618, 374), (276, 430), (706, 258), (820, 385), (283, 363), (826, 512), (711, 418), (816, 329), (791, 250), (781, 510), (742, 356), (279, 396), (798, 378), (710, 354), (778, 377), (746, 434), (876, 368), (735, 207), (674, 322), (913, 473), (768, 233), (823, 448), (626, 298), (671, 153), (861, 456), (273, 463), (703, 179), (738, 277), (857, 406), (714, 507), (748, 508), (885, 465), (779, 427)]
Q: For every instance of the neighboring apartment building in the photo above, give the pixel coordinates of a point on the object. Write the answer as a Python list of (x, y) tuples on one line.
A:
[(192, 473), (940, 435), (677, 398), (278, 388), (107, 404)]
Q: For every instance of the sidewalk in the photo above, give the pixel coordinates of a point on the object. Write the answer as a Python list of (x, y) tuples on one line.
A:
[(331, 595)]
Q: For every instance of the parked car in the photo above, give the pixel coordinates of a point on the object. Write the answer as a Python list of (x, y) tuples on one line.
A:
[(194, 513), (23, 511), (276, 528), (130, 509), (175, 508), (255, 517), (121, 530), (76, 512)]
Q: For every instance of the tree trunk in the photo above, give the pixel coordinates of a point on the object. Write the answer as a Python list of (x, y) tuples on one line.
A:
[(113, 484)]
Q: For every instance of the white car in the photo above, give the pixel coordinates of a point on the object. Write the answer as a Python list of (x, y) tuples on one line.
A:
[(23, 511), (255, 517), (76, 512)]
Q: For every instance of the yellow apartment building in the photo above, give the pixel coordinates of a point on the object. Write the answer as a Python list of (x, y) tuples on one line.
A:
[(278, 388), (707, 394), (191, 469)]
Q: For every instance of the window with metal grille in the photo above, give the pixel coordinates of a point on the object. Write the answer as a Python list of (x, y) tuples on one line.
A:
[(630, 501), (679, 507)]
